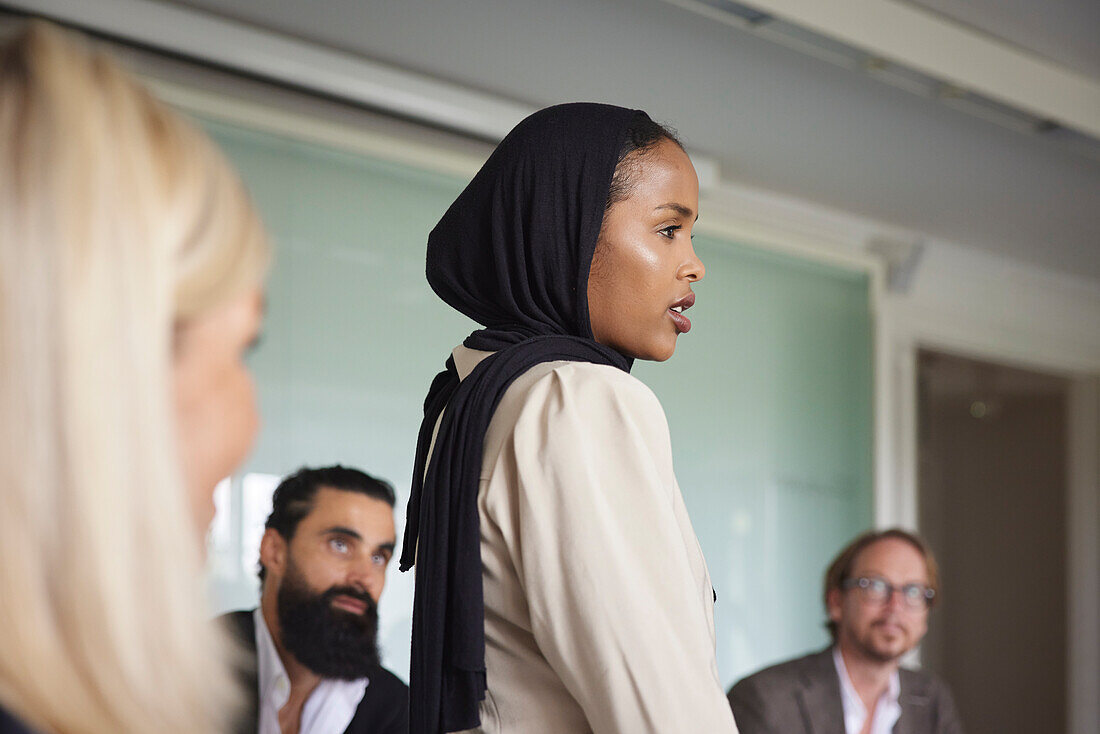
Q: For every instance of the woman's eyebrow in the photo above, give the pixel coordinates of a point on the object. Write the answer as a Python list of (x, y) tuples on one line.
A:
[(680, 209)]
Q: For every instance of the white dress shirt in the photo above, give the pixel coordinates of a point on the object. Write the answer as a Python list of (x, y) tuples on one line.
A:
[(887, 711), (329, 708)]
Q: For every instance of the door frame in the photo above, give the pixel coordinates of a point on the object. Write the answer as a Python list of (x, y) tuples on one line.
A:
[(904, 333)]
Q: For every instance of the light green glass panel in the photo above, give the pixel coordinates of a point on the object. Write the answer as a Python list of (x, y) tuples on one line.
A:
[(768, 397), (353, 334)]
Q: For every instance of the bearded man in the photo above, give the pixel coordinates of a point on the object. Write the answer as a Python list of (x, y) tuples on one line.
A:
[(878, 594), (323, 559)]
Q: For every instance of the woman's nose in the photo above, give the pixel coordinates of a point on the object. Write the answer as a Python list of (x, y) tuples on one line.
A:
[(693, 268)]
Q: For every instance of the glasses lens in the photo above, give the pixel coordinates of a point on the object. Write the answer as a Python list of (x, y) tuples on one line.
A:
[(913, 594), (876, 589)]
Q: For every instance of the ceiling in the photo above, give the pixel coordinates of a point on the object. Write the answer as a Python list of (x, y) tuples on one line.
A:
[(772, 117), (1065, 31)]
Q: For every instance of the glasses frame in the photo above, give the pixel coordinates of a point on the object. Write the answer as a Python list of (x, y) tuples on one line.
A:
[(922, 601)]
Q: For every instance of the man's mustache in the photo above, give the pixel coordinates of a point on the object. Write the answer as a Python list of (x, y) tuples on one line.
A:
[(894, 621), (349, 591)]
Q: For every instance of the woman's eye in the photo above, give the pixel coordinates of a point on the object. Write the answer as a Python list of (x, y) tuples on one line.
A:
[(670, 231)]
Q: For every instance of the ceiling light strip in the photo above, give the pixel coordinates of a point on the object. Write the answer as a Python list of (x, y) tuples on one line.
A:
[(953, 53), (287, 60)]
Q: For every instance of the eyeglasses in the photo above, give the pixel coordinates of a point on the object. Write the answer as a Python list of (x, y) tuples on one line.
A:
[(880, 591)]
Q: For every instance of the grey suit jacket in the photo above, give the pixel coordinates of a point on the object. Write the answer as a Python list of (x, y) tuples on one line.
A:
[(803, 697)]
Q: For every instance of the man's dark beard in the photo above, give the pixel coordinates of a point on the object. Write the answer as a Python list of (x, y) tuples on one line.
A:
[(333, 643)]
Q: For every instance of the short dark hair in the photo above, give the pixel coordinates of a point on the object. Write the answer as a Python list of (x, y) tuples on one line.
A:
[(293, 498), (840, 570), (642, 136)]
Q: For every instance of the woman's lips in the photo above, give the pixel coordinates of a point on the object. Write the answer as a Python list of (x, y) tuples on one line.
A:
[(683, 323)]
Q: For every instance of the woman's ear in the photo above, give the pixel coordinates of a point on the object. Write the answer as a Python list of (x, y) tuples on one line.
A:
[(273, 549)]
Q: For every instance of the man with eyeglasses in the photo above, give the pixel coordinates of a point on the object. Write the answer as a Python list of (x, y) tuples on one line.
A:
[(878, 593)]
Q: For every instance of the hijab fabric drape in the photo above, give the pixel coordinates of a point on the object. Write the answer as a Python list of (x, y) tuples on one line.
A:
[(513, 253)]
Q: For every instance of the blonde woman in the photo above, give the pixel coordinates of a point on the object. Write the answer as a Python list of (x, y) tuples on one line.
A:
[(130, 270)]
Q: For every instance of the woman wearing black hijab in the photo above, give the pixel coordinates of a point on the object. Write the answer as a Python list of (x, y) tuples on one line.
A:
[(559, 584)]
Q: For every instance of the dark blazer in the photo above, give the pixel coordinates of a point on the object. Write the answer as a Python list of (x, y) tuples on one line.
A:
[(11, 725), (803, 697), (383, 710)]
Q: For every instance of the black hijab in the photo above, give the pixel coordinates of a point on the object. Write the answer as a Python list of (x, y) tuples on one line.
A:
[(513, 253)]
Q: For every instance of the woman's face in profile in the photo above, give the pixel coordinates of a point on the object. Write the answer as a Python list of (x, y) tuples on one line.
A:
[(216, 417), (644, 263)]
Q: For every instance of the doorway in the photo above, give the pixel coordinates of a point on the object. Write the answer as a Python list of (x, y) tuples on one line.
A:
[(992, 475)]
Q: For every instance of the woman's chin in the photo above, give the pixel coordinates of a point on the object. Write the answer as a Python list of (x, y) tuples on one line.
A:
[(657, 352), (652, 351)]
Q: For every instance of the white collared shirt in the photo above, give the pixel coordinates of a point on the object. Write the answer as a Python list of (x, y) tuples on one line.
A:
[(329, 708), (887, 711)]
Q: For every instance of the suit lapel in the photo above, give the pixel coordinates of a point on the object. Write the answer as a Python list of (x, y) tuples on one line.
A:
[(916, 704), (819, 696), (242, 627)]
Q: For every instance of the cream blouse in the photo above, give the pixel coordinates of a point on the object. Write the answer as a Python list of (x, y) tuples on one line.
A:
[(598, 604)]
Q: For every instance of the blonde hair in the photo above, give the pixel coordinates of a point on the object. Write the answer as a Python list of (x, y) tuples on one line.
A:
[(118, 222)]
